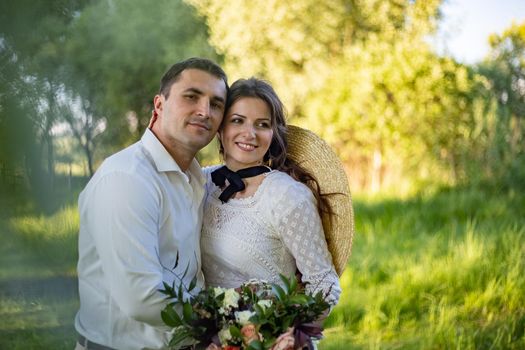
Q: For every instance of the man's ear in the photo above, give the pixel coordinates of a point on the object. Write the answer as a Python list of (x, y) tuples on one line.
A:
[(158, 104)]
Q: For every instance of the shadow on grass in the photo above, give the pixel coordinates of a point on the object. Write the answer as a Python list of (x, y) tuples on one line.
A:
[(57, 338), (50, 288)]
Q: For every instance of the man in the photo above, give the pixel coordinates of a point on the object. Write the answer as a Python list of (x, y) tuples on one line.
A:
[(141, 214)]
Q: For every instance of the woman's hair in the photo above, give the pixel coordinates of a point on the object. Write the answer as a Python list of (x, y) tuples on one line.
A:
[(277, 156)]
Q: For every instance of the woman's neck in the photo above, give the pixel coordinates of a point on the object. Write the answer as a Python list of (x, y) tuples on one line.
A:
[(251, 183)]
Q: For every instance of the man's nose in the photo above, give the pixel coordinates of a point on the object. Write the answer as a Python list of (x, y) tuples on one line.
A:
[(203, 108)]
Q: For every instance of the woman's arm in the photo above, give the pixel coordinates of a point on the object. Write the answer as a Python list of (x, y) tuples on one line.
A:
[(301, 230)]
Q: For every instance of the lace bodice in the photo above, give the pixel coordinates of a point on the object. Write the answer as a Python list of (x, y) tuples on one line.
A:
[(273, 232)]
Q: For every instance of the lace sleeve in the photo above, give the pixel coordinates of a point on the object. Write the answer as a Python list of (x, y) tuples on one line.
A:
[(302, 232)]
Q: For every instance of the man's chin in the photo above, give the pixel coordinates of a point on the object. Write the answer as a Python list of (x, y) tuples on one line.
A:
[(200, 144)]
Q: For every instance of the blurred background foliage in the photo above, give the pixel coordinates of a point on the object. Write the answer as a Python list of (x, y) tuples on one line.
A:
[(78, 78)]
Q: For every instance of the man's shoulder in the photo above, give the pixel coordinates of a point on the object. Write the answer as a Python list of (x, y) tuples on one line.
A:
[(131, 163), (129, 160)]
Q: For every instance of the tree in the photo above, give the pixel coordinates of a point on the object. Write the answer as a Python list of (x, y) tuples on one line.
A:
[(31, 37), (117, 51), (504, 69), (359, 73)]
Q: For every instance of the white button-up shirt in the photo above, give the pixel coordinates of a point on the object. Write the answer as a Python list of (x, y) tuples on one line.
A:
[(140, 222)]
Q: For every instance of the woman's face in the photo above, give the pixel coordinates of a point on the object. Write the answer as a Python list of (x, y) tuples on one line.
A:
[(246, 133)]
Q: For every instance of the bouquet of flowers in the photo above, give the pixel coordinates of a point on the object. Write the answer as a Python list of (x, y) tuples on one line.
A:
[(257, 316)]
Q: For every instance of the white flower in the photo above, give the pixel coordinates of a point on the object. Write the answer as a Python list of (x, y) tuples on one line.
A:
[(231, 298), (243, 317), (264, 303), (225, 335), (218, 291)]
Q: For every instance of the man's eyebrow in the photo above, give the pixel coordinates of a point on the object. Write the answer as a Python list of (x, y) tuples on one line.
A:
[(218, 98), (200, 92), (194, 90)]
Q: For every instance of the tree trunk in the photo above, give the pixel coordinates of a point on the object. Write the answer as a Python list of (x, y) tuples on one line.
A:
[(50, 160), (89, 157)]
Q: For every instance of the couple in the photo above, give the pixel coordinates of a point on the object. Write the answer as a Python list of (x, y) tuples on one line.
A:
[(142, 213)]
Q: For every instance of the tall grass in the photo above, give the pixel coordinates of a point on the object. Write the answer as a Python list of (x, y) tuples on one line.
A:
[(434, 272)]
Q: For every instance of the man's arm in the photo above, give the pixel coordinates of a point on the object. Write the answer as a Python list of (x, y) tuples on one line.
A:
[(122, 215)]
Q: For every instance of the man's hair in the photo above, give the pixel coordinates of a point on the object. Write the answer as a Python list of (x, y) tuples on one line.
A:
[(203, 64)]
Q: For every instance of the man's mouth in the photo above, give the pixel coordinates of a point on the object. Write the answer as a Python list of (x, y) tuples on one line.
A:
[(200, 125)]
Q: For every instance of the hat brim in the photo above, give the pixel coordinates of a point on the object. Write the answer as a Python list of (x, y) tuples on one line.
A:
[(315, 156)]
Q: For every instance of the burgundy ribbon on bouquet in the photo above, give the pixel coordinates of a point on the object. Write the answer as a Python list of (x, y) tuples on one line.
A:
[(304, 333)]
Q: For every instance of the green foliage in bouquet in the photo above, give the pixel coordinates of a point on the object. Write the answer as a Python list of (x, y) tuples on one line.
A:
[(291, 307), (252, 316)]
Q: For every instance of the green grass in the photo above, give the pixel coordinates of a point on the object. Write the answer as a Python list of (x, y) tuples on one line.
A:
[(38, 286), (442, 270)]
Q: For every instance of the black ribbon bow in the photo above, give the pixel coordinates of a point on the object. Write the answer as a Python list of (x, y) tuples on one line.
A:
[(219, 177)]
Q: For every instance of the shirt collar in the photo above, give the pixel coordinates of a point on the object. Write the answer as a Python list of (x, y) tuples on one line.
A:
[(165, 162)]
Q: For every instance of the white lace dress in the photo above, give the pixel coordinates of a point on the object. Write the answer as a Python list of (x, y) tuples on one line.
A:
[(275, 231)]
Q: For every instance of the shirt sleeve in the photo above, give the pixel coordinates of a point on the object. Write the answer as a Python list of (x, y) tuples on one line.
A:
[(302, 232), (122, 215)]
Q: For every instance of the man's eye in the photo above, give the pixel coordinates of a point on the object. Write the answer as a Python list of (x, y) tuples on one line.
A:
[(216, 105), (191, 97)]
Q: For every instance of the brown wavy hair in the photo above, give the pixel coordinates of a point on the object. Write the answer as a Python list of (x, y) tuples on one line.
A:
[(277, 157)]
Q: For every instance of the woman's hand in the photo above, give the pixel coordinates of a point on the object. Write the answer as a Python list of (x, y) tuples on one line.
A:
[(213, 346), (285, 341)]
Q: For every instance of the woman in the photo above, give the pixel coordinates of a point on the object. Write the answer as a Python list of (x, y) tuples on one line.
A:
[(267, 223)]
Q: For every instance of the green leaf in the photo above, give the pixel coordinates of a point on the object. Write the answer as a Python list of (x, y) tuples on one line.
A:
[(187, 311), (193, 283), (286, 282), (235, 332), (180, 295), (176, 261), (170, 317), (279, 292), (179, 337), (287, 322), (255, 345), (293, 284), (299, 299), (185, 272)]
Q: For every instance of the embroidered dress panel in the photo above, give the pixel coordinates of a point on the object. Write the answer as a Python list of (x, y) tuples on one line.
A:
[(275, 231)]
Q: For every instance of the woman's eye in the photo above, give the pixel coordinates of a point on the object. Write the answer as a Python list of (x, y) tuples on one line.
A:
[(265, 125), (236, 120)]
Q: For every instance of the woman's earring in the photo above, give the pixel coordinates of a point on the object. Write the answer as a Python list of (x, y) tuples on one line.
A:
[(269, 160)]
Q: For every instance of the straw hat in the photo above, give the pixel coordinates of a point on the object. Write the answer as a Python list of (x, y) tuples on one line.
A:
[(314, 155)]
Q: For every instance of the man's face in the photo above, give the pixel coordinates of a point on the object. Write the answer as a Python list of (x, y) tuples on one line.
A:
[(189, 118)]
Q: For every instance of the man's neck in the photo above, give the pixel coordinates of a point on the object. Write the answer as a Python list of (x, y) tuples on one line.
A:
[(182, 156)]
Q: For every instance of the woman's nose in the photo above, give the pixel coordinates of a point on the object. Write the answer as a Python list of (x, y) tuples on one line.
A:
[(250, 130)]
